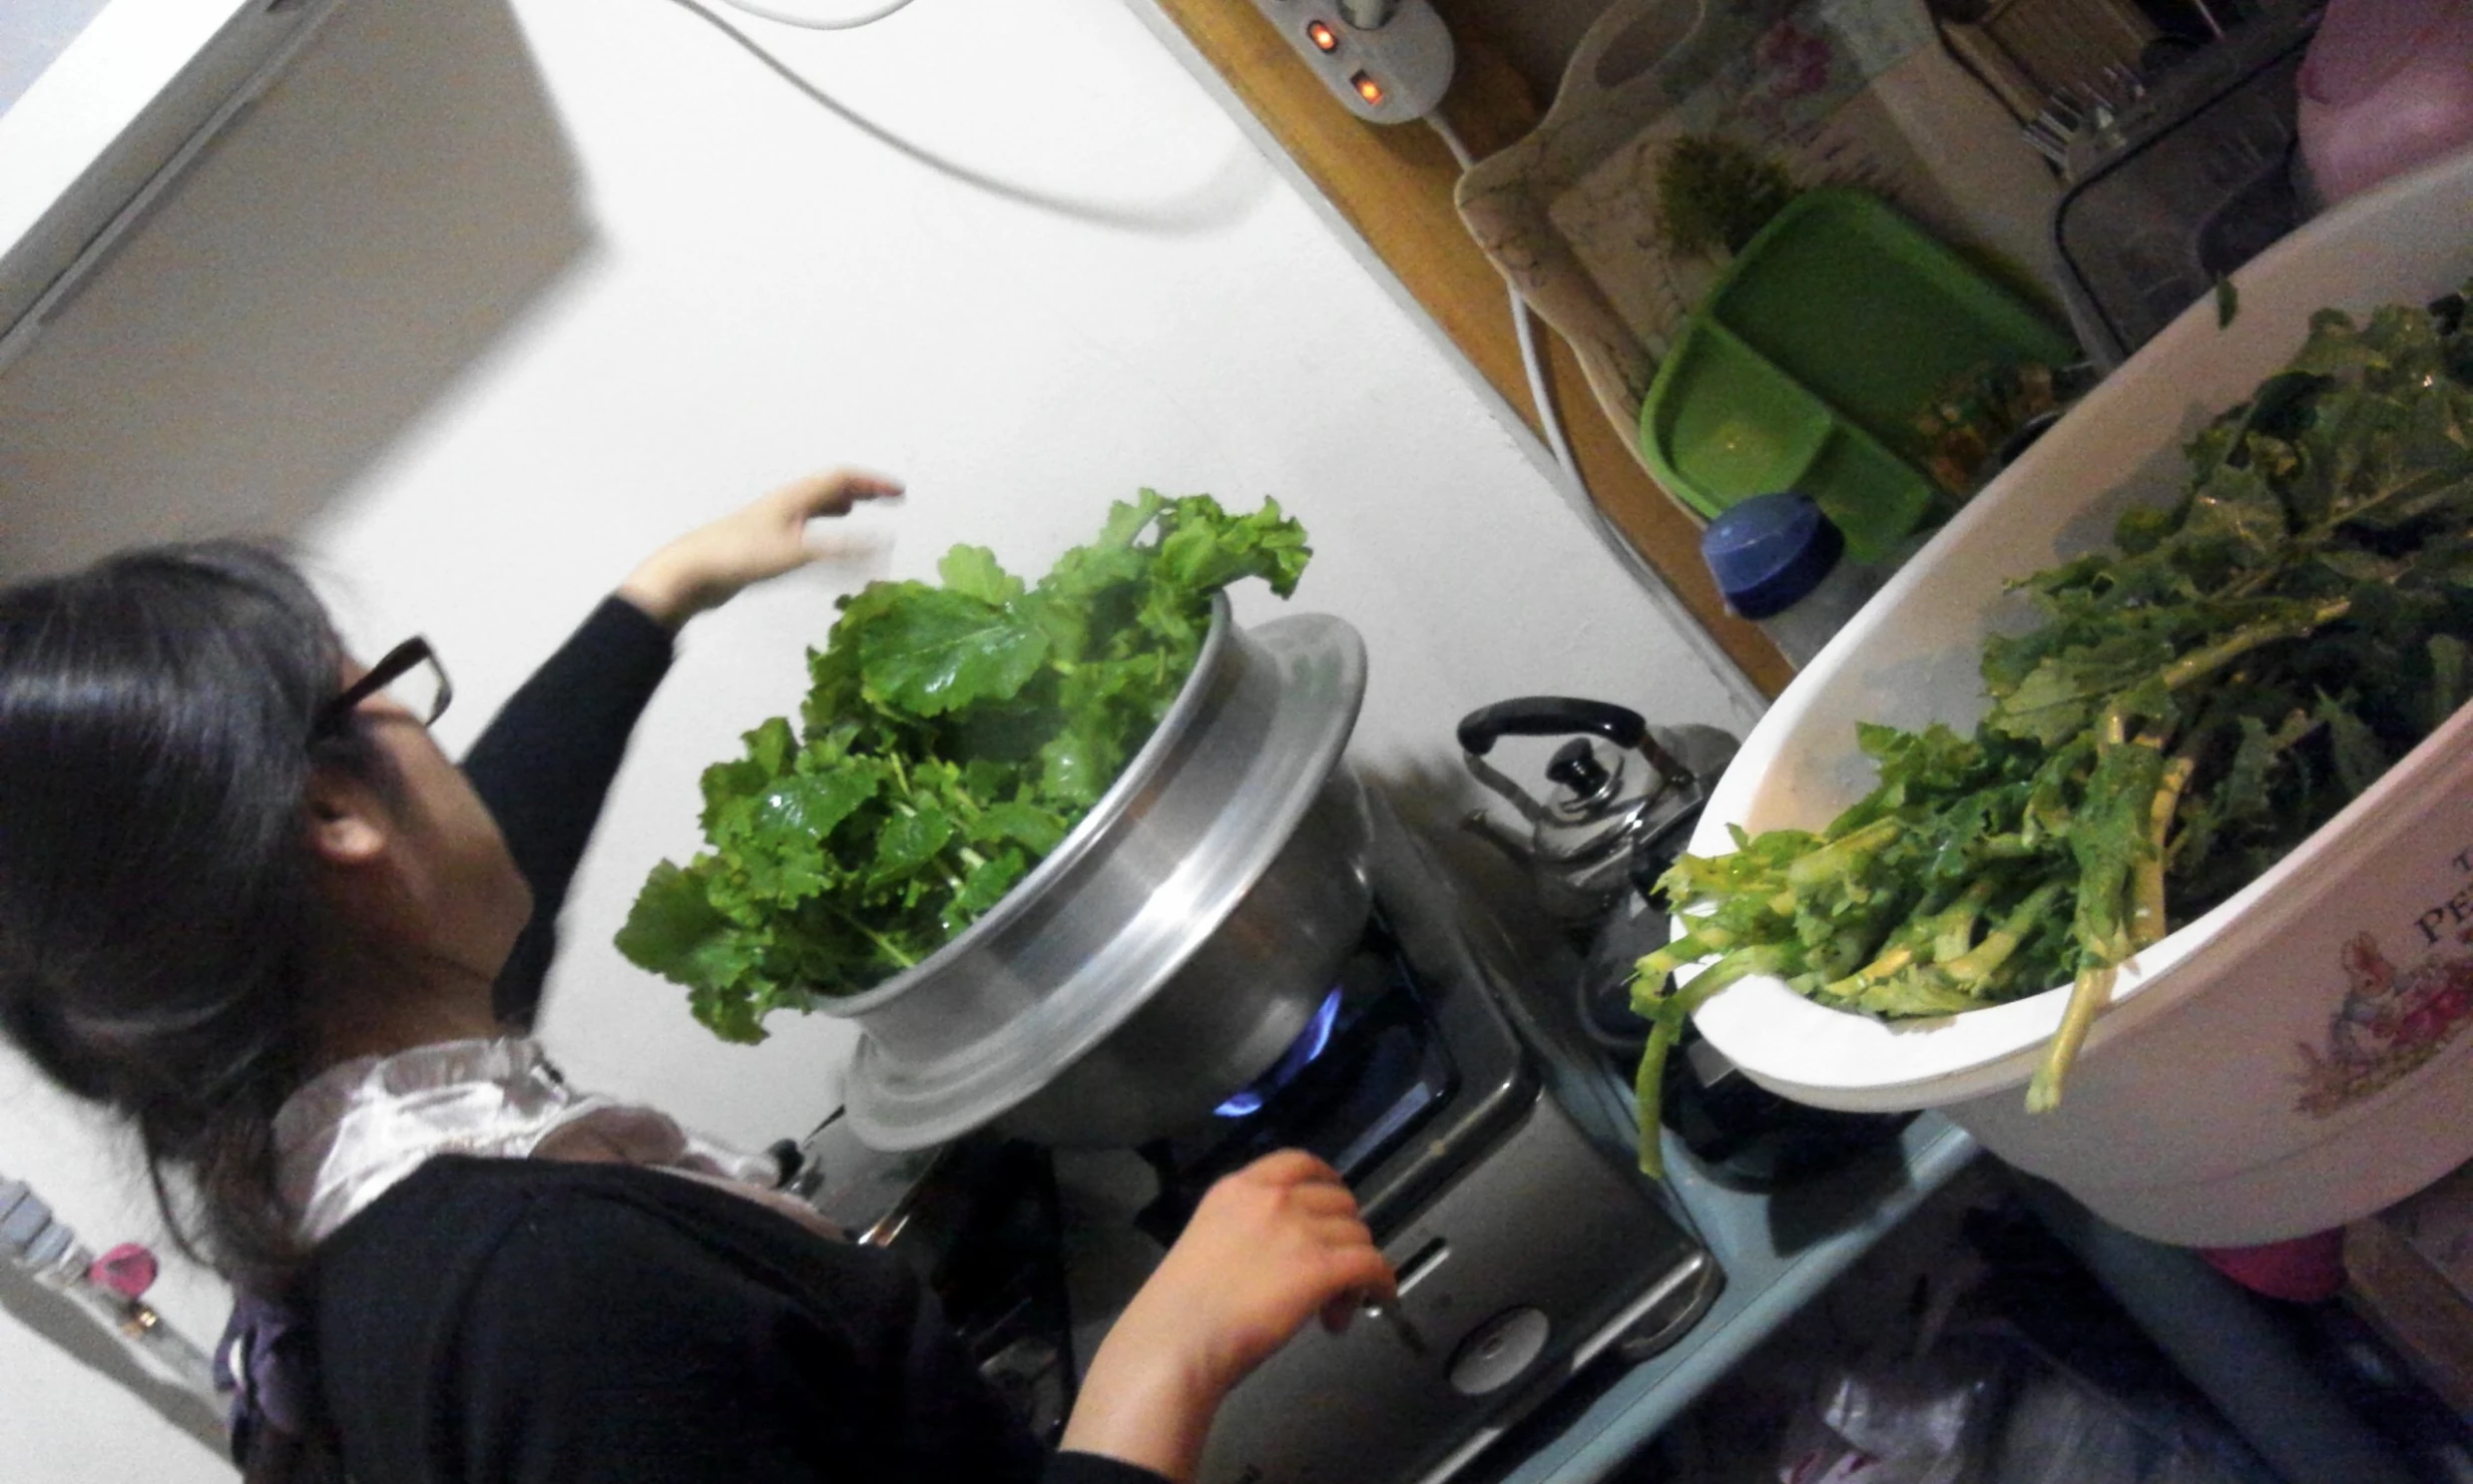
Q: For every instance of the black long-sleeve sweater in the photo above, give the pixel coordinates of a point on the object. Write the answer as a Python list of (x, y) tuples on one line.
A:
[(532, 1321)]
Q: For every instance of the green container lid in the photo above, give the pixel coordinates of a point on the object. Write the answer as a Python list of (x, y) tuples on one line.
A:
[(1812, 356)]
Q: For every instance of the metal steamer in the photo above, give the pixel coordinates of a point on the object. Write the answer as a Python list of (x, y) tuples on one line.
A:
[(1239, 950), (1172, 947)]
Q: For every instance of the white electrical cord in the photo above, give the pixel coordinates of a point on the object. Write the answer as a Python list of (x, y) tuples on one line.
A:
[(1575, 489), (816, 23), (1532, 360)]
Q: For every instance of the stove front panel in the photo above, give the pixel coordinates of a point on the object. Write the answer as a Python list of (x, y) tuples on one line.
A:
[(1525, 1247), (1520, 1270)]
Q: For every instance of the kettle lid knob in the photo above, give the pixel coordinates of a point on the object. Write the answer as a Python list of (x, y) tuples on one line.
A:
[(1576, 767)]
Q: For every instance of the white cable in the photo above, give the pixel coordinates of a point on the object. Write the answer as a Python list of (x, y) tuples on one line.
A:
[(1575, 490), (1451, 140), (814, 22), (1533, 361)]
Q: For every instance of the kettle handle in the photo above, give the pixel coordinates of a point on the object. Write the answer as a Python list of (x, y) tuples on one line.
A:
[(1566, 716), (1549, 716)]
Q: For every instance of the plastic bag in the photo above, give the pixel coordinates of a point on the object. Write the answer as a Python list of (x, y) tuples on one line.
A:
[(1986, 1406)]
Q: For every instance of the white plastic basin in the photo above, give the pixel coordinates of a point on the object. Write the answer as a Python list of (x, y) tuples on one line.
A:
[(2296, 1058)]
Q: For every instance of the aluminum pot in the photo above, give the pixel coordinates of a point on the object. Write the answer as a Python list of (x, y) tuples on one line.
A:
[(1172, 946)]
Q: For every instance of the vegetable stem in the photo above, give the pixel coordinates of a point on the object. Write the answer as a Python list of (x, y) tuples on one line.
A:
[(1667, 1011), (884, 945), (2087, 997), (1986, 957), (2225, 651), (1954, 934), (1884, 967), (2147, 910), (1840, 855)]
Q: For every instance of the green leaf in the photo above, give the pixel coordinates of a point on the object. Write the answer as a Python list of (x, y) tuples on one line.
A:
[(1075, 766), (951, 736), (836, 692), (1203, 550), (1035, 829), (973, 571), (2447, 677), (734, 1008), (909, 840), (983, 888), (2359, 758), (670, 924), (939, 650), (809, 807), (2244, 794), (732, 788)]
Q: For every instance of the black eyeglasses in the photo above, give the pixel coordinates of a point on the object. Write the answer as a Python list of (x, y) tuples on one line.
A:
[(411, 676)]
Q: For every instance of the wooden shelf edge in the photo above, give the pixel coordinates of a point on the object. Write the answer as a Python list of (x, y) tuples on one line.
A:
[(1393, 186)]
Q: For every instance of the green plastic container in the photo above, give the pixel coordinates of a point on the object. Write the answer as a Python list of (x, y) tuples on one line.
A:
[(1813, 353)]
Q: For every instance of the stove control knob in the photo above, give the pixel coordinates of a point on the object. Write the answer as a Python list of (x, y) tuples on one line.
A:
[(1499, 1350)]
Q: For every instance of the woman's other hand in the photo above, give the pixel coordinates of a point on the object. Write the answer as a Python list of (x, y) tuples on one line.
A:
[(707, 566), (1271, 1246)]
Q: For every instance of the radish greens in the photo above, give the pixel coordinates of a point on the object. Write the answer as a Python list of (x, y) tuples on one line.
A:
[(951, 736)]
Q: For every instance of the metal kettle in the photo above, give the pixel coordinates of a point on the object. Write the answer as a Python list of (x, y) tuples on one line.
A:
[(1625, 801), (1625, 798)]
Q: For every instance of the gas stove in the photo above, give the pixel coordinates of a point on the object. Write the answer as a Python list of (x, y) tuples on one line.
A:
[(1481, 1152)]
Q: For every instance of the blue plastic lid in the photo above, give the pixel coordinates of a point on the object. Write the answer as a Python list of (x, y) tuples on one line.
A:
[(1770, 551)]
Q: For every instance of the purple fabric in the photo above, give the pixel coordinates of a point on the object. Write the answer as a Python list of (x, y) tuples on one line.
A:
[(264, 1360)]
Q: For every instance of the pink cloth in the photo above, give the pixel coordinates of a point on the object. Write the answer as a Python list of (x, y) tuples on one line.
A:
[(2302, 1269)]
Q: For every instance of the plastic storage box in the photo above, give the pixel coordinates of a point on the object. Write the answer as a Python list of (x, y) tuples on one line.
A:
[(1805, 368)]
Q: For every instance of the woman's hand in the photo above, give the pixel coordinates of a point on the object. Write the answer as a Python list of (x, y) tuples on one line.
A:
[(706, 567), (1271, 1246)]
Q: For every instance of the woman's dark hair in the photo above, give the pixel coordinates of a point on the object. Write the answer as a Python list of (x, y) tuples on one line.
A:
[(158, 903)]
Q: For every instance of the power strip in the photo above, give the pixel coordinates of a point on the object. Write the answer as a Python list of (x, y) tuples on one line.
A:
[(1389, 61)]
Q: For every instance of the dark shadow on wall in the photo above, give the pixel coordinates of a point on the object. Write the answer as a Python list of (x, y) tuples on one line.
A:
[(56, 1317), (1537, 37), (319, 279)]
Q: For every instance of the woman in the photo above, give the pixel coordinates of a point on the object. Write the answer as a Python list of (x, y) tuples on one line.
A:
[(246, 902)]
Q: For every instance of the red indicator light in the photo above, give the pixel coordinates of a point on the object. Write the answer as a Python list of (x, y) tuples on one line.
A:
[(1322, 36), (1367, 88)]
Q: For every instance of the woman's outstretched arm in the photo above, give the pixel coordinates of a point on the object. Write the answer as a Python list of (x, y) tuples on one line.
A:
[(545, 762)]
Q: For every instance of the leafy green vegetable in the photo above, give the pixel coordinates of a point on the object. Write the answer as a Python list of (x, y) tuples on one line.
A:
[(2193, 704), (951, 735), (1715, 194)]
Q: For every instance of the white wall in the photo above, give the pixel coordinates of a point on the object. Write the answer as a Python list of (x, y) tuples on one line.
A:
[(491, 296), (32, 33)]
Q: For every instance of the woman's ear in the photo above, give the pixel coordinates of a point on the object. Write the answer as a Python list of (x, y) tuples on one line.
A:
[(348, 824)]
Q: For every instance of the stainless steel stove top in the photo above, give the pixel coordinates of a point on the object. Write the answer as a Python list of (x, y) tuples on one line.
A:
[(1526, 1247), (1527, 1244)]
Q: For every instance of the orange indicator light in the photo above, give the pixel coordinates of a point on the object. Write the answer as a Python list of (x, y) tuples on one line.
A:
[(1322, 36), (1367, 88)]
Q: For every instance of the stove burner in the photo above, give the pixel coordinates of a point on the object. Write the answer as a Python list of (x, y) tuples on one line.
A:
[(1309, 1045), (1370, 1068)]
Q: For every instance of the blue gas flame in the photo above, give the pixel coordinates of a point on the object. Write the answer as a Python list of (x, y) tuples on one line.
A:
[(1309, 1045)]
